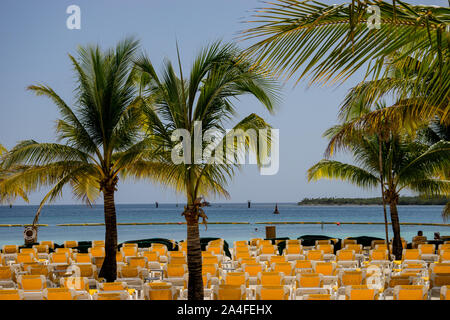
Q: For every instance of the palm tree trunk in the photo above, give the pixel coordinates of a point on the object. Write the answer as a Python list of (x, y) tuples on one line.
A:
[(397, 243), (109, 267), (380, 161), (194, 261)]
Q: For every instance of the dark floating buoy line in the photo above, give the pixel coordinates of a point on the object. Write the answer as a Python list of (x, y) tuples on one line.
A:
[(265, 222)]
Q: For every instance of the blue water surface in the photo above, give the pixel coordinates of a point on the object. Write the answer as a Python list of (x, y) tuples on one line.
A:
[(217, 212)]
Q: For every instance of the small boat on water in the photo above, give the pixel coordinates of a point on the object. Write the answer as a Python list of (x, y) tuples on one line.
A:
[(276, 209)]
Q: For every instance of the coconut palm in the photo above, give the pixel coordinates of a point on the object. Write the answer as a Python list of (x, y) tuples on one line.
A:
[(329, 43), (8, 195), (100, 137), (407, 165), (199, 105)]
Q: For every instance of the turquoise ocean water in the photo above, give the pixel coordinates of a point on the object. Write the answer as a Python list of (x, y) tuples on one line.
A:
[(259, 212)]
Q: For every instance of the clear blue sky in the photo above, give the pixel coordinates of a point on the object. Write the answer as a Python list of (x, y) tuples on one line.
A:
[(35, 44)]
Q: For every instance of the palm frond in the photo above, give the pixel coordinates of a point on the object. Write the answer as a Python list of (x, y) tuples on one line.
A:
[(329, 169)]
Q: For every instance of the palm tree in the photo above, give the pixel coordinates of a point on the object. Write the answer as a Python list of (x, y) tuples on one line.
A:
[(331, 42), (407, 164), (199, 105), (8, 195), (101, 137)]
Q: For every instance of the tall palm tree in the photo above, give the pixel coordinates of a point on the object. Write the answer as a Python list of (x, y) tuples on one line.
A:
[(329, 43), (101, 136), (8, 195), (200, 105), (407, 164)]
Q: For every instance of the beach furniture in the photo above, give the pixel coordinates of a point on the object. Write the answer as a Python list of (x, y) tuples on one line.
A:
[(32, 251), (254, 242), (322, 242), (347, 241), (286, 269), (318, 296), (346, 258), (59, 258), (293, 242), (351, 277), (271, 278), (309, 283), (129, 251), (50, 244), (266, 251), (177, 257), (32, 286), (263, 242), (212, 269), (215, 248), (24, 258), (275, 258), (7, 277), (161, 249), (418, 240), (152, 258), (379, 257), (314, 255), (105, 295), (410, 292), (11, 294), (240, 243), (42, 251), (58, 294), (98, 255), (176, 274), (88, 271), (40, 269), (82, 258), (70, 244), (235, 278), (375, 242), (132, 276), (9, 254), (413, 266), (328, 251), (98, 243), (140, 262), (272, 292), (252, 270), (79, 285), (428, 252), (241, 252), (328, 270), (248, 260), (293, 252), (361, 292), (303, 266), (208, 259), (69, 251), (412, 255), (112, 286), (160, 291), (229, 292), (444, 255), (445, 293)]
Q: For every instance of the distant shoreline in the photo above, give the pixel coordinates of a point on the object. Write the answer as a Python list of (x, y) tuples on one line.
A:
[(403, 201)]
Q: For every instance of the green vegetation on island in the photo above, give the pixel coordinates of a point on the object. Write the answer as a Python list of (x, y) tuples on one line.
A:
[(373, 201)]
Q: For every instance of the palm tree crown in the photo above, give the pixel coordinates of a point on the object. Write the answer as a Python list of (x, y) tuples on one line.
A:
[(95, 135), (199, 104), (407, 165)]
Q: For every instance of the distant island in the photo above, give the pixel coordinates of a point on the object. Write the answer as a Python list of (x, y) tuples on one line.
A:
[(373, 201)]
